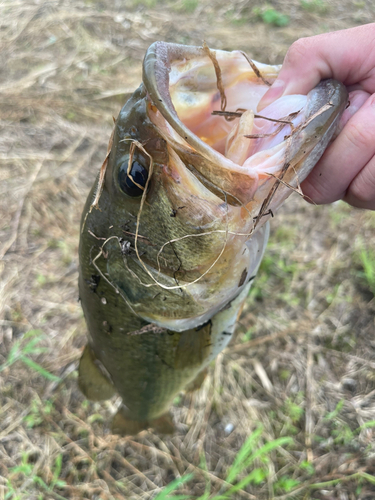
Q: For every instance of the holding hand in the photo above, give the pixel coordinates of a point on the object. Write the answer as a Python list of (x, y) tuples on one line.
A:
[(347, 168)]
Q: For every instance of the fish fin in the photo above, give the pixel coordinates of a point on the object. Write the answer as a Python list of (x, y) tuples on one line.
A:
[(163, 424), (125, 426), (94, 384), (197, 382)]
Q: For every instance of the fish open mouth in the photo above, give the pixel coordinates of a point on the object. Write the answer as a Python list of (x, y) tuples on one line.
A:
[(217, 172), (204, 104)]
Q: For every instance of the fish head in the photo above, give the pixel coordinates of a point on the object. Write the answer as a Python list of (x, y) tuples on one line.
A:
[(194, 173)]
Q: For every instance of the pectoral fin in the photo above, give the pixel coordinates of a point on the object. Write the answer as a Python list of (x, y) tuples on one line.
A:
[(94, 384), (125, 426)]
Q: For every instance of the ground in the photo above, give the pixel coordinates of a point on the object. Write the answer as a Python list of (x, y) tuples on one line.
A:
[(298, 384)]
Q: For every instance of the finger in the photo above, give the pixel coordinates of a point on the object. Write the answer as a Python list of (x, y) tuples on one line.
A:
[(344, 158), (361, 192), (347, 56)]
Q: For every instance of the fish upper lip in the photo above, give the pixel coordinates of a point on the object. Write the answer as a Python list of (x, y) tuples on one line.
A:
[(156, 69)]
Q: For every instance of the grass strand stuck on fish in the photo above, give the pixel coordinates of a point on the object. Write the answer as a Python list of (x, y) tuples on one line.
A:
[(172, 148)]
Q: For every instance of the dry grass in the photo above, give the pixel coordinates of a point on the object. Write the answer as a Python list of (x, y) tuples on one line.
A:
[(304, 359)]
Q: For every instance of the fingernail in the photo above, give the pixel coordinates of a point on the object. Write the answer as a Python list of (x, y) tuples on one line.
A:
[(273, 93)]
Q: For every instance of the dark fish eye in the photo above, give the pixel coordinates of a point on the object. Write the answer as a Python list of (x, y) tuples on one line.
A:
[(138, 174)]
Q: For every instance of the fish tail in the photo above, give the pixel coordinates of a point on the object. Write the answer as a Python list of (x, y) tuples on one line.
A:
[(125, 426), (92, 381)]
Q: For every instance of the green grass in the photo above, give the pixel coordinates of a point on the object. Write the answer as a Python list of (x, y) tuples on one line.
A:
[(294, 409), (27, 470), (271, 16), (23, 348), (38, 411), (276, 273), (367, 260), (147, 3), (238, 19), (172, 487), (184, 7), (189, 6), (250, 465), (318, 6), (253, 454)]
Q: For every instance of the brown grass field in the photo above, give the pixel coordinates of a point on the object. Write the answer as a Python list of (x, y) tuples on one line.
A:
[(303, 363)]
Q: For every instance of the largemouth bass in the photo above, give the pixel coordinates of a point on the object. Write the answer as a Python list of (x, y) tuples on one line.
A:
[(175, 227)]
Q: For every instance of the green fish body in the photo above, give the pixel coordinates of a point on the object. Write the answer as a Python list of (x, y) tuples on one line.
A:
[(175, 227)]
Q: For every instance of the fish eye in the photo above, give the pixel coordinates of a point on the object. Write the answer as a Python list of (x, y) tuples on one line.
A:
[(133, 184)]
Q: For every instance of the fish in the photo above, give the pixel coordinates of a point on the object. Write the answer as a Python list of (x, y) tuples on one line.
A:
[(177, 222)]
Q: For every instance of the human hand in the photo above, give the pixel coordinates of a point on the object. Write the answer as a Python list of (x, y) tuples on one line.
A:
[(347, 168)]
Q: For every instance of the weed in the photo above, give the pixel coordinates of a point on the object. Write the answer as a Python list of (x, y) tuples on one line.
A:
[(21, 351), (358, 475), (146, 3), (284, 374), (257, 291), (249, 453), (236, 18), (286, 484), (367, 261), (95, 417), (41, 279), (38, 411), (338, 213), (285, 236), (177, 400), (66, 251), (71, 116), (189, 6), (253, 452), (271, 16), (249, 334), (293, 409), (307, 466), (172, 487), (330, 297), (319, 6), (333, 414), (26, 470), (185, 7), (341, 433)]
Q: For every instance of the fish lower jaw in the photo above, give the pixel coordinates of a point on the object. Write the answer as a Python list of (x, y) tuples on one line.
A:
[(255, 247), (180, 325)]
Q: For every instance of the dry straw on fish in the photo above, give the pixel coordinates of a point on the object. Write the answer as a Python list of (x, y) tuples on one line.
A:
[(211, 54)]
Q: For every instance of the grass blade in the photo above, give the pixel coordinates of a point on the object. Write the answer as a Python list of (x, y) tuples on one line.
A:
[(240, 461), (46, 374), (164, 495)]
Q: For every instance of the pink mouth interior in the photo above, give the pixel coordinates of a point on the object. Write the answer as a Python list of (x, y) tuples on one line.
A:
[(227, 137)]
